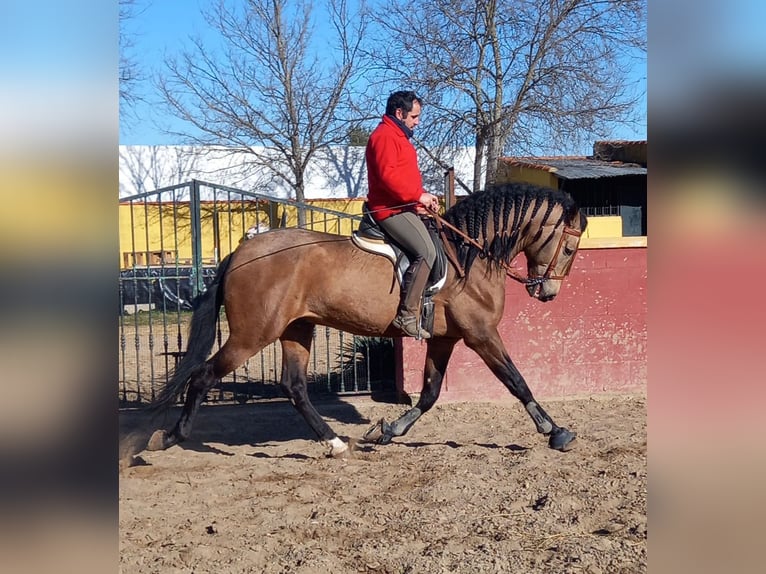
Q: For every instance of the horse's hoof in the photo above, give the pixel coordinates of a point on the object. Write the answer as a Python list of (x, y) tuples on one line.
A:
[(562, 439), (338, 449), (159, 440), (339, 454), (377, 432), (385, 439)]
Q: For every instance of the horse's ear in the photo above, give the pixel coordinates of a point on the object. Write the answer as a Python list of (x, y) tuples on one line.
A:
[(583, 221), (568, 205), (570, 211)]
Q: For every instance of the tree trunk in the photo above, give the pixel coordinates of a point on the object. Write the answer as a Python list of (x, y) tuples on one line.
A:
[(300, 197), (477, 161), (496, 106), (493, 153)]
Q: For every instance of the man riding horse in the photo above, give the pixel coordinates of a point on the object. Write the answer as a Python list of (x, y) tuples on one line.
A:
[(281, 284), (396, 199)]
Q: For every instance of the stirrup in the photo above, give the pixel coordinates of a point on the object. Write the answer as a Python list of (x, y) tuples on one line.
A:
[(408, 324)]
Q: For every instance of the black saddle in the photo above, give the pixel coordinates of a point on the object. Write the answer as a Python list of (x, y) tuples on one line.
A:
[(370, 237)]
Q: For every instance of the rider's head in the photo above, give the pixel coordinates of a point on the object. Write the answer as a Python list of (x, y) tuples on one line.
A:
[(405, 106)]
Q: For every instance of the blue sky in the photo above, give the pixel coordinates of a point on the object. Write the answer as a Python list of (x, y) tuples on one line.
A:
[(164, 26), (159, 27)]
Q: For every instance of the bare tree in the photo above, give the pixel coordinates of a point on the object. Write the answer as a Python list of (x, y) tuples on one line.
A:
[(267, 91), (516, 76), (147, 168), (129, 69)]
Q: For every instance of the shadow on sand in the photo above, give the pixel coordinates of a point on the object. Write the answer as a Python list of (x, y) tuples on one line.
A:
[(239, 425), (453, 444)]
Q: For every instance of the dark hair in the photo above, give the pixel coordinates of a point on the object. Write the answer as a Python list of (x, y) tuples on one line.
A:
[(403, 100)]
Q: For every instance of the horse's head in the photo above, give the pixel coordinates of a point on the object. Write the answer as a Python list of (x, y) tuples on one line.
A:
[(550, 256)]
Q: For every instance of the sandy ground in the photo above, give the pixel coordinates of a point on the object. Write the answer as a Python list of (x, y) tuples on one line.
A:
[(472, 488)]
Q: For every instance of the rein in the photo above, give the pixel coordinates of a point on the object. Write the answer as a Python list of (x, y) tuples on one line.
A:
[(511, 271)]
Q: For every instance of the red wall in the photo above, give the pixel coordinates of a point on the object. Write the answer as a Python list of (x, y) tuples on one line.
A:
[(591, 339)]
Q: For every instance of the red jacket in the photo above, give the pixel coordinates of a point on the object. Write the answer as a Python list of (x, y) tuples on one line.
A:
[(393, 175)]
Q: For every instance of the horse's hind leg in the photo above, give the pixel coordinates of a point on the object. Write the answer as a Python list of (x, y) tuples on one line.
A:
[(228, 358), (437, 357), (201, 381), (296, 346), (489, 346)]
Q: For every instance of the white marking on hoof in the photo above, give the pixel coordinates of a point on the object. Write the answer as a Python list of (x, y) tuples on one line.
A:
[(338, 448)]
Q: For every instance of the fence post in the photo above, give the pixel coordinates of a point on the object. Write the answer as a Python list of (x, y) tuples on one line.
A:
[(449, 188), (195, 208)]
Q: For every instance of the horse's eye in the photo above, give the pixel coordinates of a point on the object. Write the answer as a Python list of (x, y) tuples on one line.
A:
[(568, 251)]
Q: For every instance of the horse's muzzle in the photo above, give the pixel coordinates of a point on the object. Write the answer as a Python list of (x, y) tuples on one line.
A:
[(536, 291)]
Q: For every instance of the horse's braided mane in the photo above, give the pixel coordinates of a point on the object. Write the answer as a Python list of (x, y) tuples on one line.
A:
[(510, 209)]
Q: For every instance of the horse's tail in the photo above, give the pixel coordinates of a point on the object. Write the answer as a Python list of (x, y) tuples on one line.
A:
[(202, 333)]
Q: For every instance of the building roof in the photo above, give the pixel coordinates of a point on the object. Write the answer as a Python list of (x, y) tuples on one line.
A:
[(577, 167)]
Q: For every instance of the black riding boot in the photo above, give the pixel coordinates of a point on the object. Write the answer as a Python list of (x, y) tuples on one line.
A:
[(413, 284)]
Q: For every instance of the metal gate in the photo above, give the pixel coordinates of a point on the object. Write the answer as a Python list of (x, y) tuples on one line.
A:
[(171, 241)]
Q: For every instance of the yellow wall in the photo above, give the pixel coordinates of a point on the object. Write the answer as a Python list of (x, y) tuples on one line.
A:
[(507, 173), (603, 226), (317, 221), (165, 228)]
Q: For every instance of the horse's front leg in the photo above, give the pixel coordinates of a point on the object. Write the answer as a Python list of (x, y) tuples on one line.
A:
[(490, 348), (437, 356)]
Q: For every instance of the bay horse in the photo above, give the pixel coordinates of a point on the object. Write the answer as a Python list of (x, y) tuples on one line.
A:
[(280, 284)]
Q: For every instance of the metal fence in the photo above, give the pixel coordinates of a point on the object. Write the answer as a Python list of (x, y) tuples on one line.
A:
[(171, 241)]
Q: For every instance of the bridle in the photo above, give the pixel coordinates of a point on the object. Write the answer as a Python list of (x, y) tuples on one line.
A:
[(552, 265), (512, 272)]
